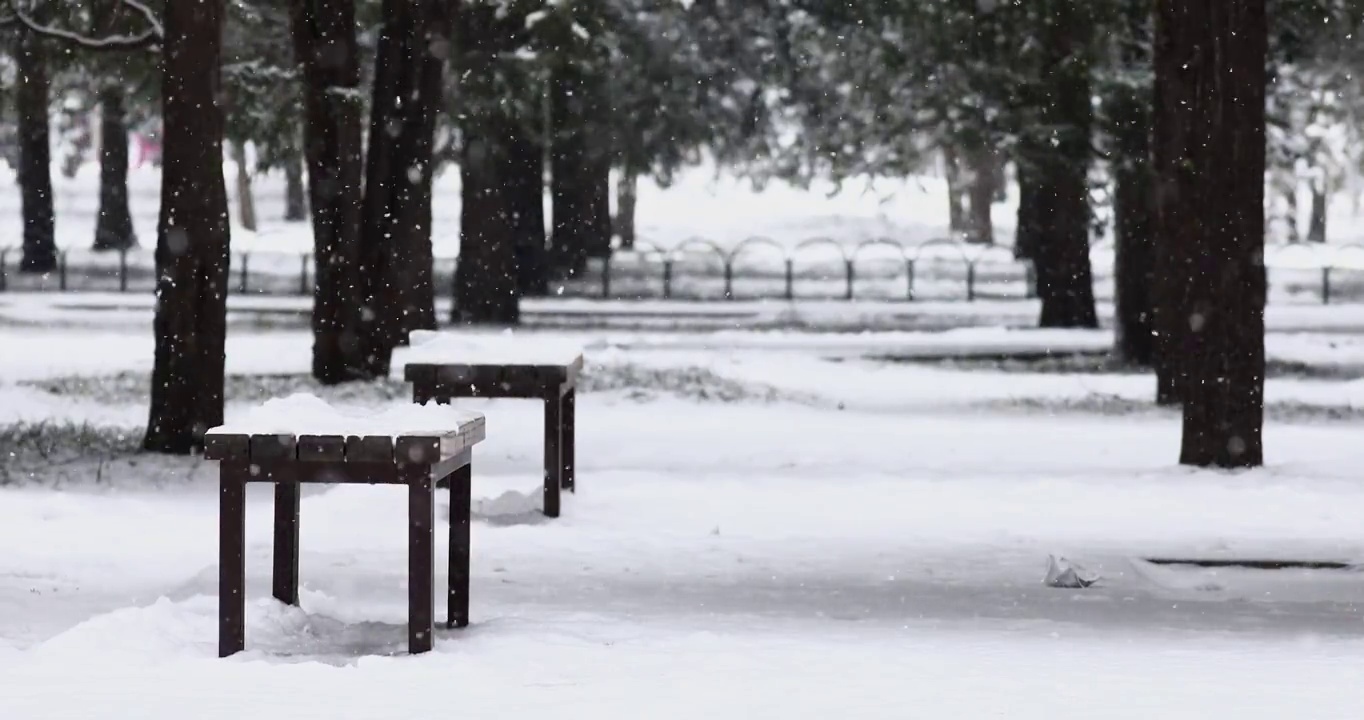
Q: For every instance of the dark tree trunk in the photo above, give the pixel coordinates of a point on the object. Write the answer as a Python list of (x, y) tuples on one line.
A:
[(1027, 233), (487, 287), (396, 240), (35, 157), (525, 189), (325, 46), (1290, 198), (1316, 226), (627, 194), (246, 202), (1134, 206), (1211, 62), (1059, 166), (956, 209), (192, 236), (580, 186), (114, 227), (494, 167), (980, 194), (295, 200)]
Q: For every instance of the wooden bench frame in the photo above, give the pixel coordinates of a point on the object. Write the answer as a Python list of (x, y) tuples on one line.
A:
[(555, 385), (417, 461)]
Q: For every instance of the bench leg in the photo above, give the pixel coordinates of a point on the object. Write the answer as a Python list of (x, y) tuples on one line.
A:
[(554, 466), (231, 557), (461, 499), (421, 520), (570, 441), (287, 492)]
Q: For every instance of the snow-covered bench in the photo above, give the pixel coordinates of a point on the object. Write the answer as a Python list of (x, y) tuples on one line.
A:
[(301, 439), (444, 366)]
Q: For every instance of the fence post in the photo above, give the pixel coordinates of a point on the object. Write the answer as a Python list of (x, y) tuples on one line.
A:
[(790, 279), (122, 270), (849, 265), (61, 271), (729, 280), (3, 270), (606, 278), (970, 282), (454, 293), (667, 278), (246, 268), (1326, 285), (303, 274), (909, 280)]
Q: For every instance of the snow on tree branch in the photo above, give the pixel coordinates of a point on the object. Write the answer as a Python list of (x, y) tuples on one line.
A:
[(152, 35)]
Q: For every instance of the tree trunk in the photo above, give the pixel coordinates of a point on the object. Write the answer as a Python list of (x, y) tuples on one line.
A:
[(1290, 198), (495, 170), (1134, 206), (326, 48), (956, 210), (114, 227), (1212, 205), (295, 202), (1027, 232), (1316, 227), (192, 235), (1059, 166), (35, 157), (627, 187), (246, 203), (395, 216), (525, 188), (580, 169), (980, 193), (487, 289)]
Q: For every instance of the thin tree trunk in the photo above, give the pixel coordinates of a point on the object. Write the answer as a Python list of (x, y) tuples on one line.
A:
[(956, 209), (114, 227), (1027, 233), (295, 197), (526, 198), (1134, 206), (395, 216), (1290, 198), (35, 157), (980, 194), (627, 188), (1213, 185), (495, 170), (1059, 166), (246, 203), (1316, 227), (326, 48), (192, 235), (580, 170)]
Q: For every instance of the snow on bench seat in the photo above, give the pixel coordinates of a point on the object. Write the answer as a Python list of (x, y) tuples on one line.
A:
[(430, 347), (305, 427)]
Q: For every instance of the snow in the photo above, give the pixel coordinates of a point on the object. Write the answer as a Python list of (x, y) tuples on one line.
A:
[(769, 522), (506, 348), (305, 414)]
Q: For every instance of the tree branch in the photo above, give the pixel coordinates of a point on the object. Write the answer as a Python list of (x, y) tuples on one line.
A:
[(147, 38)]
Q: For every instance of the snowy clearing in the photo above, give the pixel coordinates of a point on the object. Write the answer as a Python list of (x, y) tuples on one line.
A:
[(768, 524)]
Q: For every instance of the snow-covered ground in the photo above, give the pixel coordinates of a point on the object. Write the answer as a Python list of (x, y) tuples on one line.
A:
[(769, 524)]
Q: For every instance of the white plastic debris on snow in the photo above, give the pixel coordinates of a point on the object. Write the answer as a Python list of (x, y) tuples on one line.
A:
[(302, 413), (1062, 573)]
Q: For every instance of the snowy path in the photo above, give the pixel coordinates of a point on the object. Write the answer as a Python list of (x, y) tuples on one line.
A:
[(755, 558)]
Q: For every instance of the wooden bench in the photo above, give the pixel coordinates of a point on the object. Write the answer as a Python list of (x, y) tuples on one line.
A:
[(299, 440), (442, 367)]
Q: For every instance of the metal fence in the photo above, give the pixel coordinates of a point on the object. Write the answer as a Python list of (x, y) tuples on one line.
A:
[(699, 269)]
